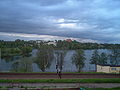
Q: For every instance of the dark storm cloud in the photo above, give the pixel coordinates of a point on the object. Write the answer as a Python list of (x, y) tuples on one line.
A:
[(89, 19)]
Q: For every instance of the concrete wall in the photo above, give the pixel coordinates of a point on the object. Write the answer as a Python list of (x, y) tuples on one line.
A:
[(114, 69), (108, 69), (105, 69)]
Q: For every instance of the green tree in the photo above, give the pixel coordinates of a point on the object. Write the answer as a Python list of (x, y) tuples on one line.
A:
[(78, 59), (95, 58), (103, 58), (25, 51), (9, 53), (115, 56)]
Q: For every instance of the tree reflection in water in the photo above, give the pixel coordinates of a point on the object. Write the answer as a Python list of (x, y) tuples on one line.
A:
[(78, 59), (60, 58), (22, 65), (44, 58)]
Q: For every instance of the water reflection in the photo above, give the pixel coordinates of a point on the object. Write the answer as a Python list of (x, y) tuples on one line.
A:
[(22, 65), (8, 58), (44, 59), (60, 59), (115, 56), (78, 59)]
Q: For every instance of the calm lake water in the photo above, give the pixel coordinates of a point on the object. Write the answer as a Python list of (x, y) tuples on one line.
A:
[(68, 66)]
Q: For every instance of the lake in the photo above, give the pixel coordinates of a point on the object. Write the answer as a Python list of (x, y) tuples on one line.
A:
[(67, 66)]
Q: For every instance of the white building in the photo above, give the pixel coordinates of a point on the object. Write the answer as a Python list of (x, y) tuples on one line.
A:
[(52, 43), (108, 68)]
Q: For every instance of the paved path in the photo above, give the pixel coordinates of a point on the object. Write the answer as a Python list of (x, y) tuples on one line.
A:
[(54, 76), (63, 85)]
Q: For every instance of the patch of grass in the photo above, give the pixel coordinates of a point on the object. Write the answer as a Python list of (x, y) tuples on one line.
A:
[(62, 72), (3, 88), (113, 80), (116, 88), (85, 72), (49, 72)]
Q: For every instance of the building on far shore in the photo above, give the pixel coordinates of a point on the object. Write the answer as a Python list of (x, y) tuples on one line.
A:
[(69, 40), (52, 43), (108, 68)]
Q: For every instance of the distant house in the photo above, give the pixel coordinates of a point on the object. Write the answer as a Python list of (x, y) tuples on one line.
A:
[(68, 40), (52, 43), (38, 41), (108, 68)]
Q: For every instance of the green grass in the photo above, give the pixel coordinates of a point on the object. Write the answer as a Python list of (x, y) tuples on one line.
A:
[(85, 72), (55, 72), (116, 88), (114, 80), (64, 72)]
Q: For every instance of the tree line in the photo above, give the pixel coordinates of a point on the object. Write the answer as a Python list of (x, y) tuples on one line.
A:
[(60, 44)]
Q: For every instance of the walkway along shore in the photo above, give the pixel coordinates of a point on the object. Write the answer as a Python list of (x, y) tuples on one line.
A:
[(62, 85), (55, 76)]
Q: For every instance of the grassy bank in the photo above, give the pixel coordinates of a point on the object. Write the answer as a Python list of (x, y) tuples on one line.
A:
[(113, 80), (116, 88), (65, 72), (62, 72)]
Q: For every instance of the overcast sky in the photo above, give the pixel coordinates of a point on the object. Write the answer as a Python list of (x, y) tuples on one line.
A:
[(90, 20)]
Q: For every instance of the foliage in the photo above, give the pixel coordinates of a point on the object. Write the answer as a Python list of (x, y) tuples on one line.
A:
[(115, 56), (95, 57), (116, 88), (73, 45), (98, 58), (103, 58), (9, 49), (25, 51), (78, 59), (9, 53)]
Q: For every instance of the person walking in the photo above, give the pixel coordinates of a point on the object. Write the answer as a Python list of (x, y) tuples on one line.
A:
[(57, 68), (59, 73)]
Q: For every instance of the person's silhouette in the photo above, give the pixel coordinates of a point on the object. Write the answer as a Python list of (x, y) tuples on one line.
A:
[(59, 73), (57, 67)]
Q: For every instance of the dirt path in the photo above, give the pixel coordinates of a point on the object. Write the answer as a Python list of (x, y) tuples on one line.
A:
[(54, 76)]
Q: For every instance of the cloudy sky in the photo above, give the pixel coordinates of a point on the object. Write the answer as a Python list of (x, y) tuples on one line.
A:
[(86, 20)]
